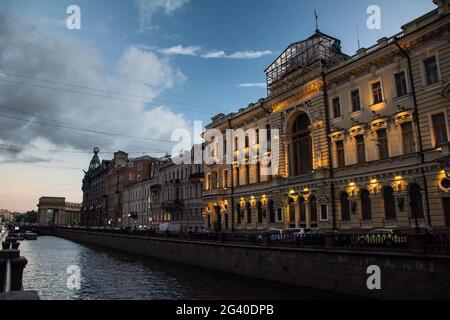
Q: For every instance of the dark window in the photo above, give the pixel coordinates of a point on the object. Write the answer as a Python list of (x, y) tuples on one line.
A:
[(249, 213), (239, 213), (260, 213), (340, 154), (247, 174), (236, 144), (271, 212), (301, 146), (360, 149), (447, 210), (377, 93), (345, 207), (280, 214), (257, 136), (324, 212), (356, 101), (366, 206), (431, 70), (247, 141), (400, 84), (226, 221), (225, 179), (415, 201), (390, 210), (382, 144), (337, 107), (238, 176), (439, 129), (258, 172), (313, 211), (408, 138)]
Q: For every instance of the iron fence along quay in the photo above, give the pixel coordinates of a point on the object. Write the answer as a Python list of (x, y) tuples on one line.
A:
[(406, 243)]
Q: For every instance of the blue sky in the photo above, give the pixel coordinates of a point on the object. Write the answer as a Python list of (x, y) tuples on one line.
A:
[(177, 60), (109, 26)]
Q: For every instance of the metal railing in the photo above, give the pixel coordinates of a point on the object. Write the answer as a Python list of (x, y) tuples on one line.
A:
[(12, 266), (415, 243)]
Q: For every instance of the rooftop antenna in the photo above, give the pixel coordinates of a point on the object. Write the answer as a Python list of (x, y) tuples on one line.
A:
[(317, 20), (357, 32)]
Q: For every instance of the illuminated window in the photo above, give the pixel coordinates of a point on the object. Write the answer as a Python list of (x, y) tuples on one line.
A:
[(408, 138), (360, 149), (336, 102), (340, 154), (400, 84), (382, 144), (439, 129), (356, 101), (431, 70), (377, 92)]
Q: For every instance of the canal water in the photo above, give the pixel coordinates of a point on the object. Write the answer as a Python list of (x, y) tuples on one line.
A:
[(111, 275)]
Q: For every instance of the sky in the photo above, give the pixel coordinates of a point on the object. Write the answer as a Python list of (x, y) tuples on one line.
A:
[(139, 69)]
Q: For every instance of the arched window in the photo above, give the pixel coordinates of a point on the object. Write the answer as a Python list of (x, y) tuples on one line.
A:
[(301, 146), (239, 213), (345, 207), (302, 210), (313, 211), (260, 212), (271, 212), (366, 205), (390, 211), (415, 201), (249, 213), (292, 213)]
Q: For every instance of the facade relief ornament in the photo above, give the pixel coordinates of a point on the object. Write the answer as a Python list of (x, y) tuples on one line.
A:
[(403, 117), (379, 124), (338, 136), (352, 190), (356, 131), (317, 162), (399, 184), (308, 91), (375, 187)]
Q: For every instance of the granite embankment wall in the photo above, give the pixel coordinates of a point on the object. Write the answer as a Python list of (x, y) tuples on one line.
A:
[(403, 276)]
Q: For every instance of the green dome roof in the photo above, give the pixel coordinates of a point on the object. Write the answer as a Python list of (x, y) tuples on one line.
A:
[(95, 162)]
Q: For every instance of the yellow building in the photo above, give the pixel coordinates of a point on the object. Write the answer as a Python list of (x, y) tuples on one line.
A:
[(362, 141), (54, 211)]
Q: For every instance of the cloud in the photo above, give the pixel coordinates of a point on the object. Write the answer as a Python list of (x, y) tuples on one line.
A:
[(252, 85), (43, 111), (180, 50), (250, 54), (213, 54), (220, 54), (148, 8)]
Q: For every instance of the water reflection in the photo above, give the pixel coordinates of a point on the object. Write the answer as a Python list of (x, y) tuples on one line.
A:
[(114, 275)]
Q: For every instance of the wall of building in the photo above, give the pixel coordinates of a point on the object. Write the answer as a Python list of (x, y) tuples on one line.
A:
[(403, 276)]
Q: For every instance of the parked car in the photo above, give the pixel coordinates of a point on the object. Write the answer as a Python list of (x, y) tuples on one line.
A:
[(298, 232), (387, 237)]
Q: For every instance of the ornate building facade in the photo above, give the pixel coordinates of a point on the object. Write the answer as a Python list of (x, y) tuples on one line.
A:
[(103, 185), (362, 143), (176, 194)]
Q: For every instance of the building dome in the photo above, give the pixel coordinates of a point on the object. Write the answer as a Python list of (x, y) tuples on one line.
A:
[(95, 162)]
